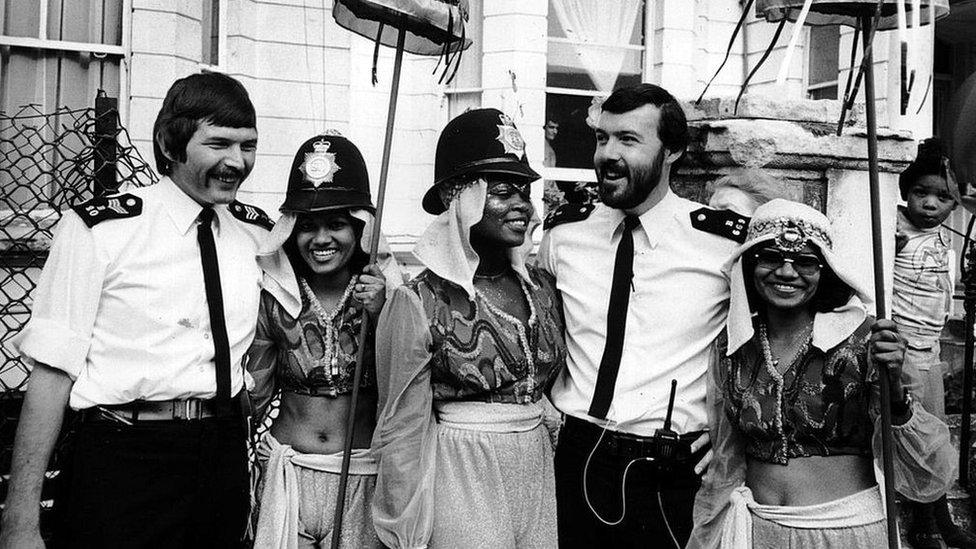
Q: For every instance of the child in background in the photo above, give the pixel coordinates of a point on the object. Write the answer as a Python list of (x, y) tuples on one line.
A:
[(921, 303)]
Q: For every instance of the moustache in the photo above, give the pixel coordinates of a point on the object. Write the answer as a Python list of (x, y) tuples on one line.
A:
[(226, 173)]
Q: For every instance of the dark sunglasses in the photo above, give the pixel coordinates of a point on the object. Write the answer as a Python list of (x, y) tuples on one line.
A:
[(804, 264)]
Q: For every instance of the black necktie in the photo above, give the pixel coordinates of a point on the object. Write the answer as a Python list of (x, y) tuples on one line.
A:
[(215, 301), (623, 276)]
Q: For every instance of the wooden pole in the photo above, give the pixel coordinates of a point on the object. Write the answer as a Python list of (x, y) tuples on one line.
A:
[(879, 289), (969, 281), (363, 331)]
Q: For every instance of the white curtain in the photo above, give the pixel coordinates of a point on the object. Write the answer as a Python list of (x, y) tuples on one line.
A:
[(590, 22)]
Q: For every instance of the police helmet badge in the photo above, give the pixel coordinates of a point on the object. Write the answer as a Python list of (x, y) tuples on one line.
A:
[(320, 164), (509, 136)]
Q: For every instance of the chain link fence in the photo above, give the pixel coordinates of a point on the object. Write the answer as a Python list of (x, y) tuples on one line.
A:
[(49, 161)]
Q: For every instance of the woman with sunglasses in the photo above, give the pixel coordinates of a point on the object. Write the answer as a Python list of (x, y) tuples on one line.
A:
[(796, 401), (464, 354)]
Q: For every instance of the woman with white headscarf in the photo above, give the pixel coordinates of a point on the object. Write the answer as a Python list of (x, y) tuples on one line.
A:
[(796, 401), (318, 291), (465, 351)]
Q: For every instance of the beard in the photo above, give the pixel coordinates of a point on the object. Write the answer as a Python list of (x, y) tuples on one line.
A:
[(641, 180)]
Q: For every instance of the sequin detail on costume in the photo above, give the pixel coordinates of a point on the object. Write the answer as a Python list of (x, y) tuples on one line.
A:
[(819, 406), (306, 357), (791, 234), (478, 356)]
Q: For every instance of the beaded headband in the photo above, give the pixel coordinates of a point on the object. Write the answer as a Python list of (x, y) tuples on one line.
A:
[(791, 234)]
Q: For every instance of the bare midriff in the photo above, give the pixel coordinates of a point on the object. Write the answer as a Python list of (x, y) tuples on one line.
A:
[(809, 480), (317, 425)]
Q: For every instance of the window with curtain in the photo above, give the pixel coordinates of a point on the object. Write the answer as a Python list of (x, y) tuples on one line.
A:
[(823, 62), (594, 46), (465, 90)]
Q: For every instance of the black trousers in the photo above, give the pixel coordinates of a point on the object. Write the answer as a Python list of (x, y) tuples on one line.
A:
[(154, 484), (659, 500)]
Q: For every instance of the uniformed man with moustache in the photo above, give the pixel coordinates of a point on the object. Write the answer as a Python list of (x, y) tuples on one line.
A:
[(142, 315)]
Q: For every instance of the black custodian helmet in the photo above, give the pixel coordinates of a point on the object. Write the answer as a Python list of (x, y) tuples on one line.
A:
[(328, 173), (476, 142)]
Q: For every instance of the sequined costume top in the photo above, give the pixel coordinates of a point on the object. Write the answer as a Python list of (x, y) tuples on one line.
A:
[(478, 355), (299, 355), (817, 407)]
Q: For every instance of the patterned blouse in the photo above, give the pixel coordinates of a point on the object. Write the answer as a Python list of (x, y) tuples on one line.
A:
[(818, 407), (478, 354), (296, 355)]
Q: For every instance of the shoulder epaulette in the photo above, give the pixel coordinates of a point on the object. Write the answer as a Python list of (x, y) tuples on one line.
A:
[(567, 213), (250, 214), (101, 208), (725, 223)]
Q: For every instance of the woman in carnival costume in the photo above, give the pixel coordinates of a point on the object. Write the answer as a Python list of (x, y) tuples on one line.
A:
[(795, 423), (465, 351), (319, 290)]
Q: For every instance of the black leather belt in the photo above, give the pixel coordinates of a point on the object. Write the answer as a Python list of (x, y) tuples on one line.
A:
[(165, 410), (626, 445)]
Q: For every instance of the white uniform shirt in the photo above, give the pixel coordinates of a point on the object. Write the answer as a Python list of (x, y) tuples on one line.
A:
[(121, 307), (676, 310)]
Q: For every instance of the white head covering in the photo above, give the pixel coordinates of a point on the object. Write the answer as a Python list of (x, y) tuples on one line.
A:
[(280, 279), (445, 247), (792, 225)]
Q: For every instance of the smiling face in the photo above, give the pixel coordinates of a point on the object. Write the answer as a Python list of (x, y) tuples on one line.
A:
[(929, 202), (506, 216), (326, 241), (630, 159), (218, 159), (789, 284)]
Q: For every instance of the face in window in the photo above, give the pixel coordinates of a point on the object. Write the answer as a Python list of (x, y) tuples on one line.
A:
[(629, 158), (326, 241), (218, 159), (786, 280), (929, 202), (552, 130), (506, 216)]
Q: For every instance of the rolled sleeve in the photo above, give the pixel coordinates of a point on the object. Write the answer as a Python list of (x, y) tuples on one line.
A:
[(65, 301)]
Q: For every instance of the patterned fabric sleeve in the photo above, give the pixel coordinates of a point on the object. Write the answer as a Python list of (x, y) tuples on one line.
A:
[(727, 469), (924, 462), (262, 360), (404, 440)]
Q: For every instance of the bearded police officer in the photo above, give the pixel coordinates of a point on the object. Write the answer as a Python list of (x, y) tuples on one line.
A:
[(143, 312), (628, 336)]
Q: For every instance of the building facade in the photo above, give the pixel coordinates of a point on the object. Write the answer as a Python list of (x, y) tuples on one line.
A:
[(541, 61)]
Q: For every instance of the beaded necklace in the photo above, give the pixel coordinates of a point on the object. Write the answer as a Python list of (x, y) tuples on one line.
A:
[(520, 328), (774, 373), (330, 353)]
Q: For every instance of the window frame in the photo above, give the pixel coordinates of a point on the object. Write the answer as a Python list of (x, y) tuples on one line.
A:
[(98, 50), (221, 64), (808, 87), (585, 174)]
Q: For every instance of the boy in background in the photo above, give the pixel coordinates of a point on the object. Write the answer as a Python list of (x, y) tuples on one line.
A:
[(921, 303)]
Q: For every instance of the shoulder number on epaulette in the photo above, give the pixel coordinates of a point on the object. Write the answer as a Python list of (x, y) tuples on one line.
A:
[(101, 208), (725, 223), (250, 214), (567, 213)]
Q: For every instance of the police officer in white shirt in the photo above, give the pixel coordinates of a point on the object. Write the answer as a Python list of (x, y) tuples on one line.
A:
[(142, 315), (656, 319)]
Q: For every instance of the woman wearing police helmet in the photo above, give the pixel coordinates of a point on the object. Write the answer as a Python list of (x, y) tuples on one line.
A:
[(465, 352)]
